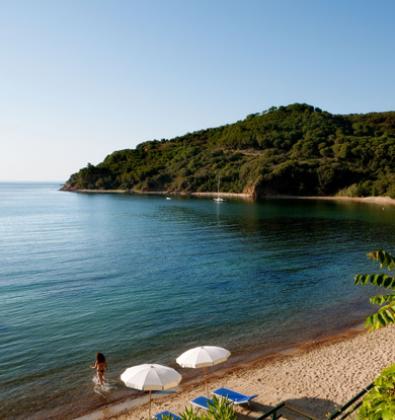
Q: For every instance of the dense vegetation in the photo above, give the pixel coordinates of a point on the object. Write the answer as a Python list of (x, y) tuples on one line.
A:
[(296, 149)]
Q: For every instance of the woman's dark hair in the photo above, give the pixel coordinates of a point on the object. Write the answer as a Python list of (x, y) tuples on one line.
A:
[(100, 358)]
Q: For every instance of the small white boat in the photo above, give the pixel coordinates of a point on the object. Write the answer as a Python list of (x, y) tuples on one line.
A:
[(218, 198), (168, 198)]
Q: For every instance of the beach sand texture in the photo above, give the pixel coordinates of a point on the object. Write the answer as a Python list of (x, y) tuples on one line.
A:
[(316, 380)]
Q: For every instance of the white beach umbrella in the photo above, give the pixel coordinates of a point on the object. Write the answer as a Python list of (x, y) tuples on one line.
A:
[(203, 357), (150, 378)]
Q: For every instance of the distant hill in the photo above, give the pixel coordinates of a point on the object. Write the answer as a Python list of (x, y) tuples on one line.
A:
[(290, 150)]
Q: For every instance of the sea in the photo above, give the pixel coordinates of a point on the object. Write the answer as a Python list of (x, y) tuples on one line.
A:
[(142, 279)]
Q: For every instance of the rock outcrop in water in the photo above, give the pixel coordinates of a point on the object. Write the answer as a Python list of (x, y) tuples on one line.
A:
[(291, 150)]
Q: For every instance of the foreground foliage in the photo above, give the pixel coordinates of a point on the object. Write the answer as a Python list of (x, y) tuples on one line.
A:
[(220, 409), (296, 149), (379, 403)]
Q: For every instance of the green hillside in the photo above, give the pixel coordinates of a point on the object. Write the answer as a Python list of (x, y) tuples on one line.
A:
[(296, 149)]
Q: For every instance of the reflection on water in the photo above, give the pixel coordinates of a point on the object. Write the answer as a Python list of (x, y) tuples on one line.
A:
[(143, 278)]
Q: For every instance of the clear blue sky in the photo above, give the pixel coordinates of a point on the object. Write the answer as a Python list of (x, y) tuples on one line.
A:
[(80, 79)]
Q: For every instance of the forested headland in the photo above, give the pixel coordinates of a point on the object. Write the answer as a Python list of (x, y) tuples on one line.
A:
[(288, 150)]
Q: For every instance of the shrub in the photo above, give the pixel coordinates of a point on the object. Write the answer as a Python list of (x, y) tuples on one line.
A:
[(220, 409), (379, 403)]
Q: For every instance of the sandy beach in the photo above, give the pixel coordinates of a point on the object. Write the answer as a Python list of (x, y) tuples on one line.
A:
[(379, 200), (315, 378)]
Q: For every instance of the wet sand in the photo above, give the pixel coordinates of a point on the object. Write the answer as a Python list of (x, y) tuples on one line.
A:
[(314, 377)]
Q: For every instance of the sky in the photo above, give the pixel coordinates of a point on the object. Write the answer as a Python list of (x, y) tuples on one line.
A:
[(82, 78)]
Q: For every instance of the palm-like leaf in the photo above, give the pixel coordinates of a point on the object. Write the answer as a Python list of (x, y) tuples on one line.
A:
[(382, 299), (383, 317), (385, 259), (381, 280)]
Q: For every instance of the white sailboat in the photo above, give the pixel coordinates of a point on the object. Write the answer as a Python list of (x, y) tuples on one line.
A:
[(218, 199)]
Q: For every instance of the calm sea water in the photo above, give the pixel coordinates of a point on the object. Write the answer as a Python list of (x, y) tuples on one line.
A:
[(143, 279)]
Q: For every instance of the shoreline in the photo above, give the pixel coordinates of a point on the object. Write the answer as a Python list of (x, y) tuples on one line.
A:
[(247, 366), (378, 200), (165, 193)]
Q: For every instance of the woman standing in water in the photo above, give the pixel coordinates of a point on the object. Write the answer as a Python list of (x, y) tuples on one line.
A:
[(100, 366)]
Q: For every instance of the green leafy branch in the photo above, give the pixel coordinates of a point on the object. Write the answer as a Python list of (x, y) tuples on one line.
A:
[(385, 315)]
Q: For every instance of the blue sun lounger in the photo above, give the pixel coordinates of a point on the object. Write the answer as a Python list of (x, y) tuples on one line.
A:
[(202, 402), (162, 414), (234, 396)]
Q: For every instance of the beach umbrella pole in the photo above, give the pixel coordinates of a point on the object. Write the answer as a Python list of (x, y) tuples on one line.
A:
[(205, 377), (149, 410), (203, 357)]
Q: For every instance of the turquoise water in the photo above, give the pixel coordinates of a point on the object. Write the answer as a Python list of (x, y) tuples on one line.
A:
[(143, 279)]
